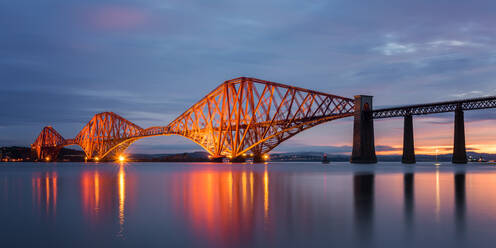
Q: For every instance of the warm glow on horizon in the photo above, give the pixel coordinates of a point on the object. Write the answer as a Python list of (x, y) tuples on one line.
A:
[(441, 150)]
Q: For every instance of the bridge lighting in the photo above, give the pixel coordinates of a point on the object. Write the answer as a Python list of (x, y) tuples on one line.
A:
[(266, 157), (209, 156), (97, 159), (122, 158), (244, 155), (107, 131), (47, 159)]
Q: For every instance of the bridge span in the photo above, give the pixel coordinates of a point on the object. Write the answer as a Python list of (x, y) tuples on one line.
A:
[(459, 150), (250, 117), (242, 116)]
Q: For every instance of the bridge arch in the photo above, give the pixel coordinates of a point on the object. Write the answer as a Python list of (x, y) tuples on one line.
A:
[(240, 115)]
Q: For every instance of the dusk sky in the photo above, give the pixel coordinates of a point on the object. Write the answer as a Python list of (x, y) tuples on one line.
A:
[(63, 61)]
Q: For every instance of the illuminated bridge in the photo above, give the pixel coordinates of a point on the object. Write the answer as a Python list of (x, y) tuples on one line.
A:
[(250, 117), (241, 116)]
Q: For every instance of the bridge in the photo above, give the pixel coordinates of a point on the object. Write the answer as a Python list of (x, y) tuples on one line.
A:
[(250, 117)]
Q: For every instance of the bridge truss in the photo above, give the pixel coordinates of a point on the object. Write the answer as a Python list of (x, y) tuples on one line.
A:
[(433, 108), (243, 115)]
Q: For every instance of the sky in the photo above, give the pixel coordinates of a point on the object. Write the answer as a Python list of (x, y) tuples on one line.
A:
[(62, 61)]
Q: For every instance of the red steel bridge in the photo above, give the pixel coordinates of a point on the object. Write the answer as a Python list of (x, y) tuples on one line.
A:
[(249, 116)]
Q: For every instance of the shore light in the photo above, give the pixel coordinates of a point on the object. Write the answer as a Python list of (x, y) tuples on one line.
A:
[(122, 158)]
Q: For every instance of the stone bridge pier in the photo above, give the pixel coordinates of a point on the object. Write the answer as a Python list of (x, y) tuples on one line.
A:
[(363, 131), (459, 150), (408, 144)]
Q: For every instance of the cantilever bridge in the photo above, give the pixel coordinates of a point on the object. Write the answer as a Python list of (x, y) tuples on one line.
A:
[(252, 116), (243, 115)]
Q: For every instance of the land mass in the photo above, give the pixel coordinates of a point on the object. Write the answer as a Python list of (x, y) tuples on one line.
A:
[(24, 154)]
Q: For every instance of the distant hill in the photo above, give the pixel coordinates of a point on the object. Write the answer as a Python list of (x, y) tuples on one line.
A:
[(16, 153), (317, 156)]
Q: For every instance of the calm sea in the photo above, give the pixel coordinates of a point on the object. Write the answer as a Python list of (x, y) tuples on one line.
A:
[(220, 205)]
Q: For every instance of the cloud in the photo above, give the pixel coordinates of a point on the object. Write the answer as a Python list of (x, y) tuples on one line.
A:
[(393, 48), (472, 94), (396, 48), (451, 43), (116, 17)]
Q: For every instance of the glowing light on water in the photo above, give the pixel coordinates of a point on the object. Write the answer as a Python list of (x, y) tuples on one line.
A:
[(122, 198)]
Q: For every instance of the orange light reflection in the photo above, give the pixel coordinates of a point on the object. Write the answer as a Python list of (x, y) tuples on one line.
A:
[(221, 205), (122, 199), (44, 188)]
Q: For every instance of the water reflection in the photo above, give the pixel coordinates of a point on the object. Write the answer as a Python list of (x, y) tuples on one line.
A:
[(222, 206), (44, 192), (103, 197), (460, 203), (122, 199), (408, 194), (266, 195), (438, 197), (302, 205), (363, 192)]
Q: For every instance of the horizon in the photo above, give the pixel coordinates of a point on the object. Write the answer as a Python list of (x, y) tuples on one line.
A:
[(341, 151)]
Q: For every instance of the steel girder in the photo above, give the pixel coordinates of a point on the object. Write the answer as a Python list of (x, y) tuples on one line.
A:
[(432, 108), (249, 114), (106, 132), (48, 143)]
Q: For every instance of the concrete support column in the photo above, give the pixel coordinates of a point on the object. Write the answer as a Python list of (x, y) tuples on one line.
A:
[(363, 131), (217, 160), (408, 143), (459, 151), (239, 159)]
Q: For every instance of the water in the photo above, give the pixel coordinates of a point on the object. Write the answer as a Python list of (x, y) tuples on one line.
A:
[(279, 205)]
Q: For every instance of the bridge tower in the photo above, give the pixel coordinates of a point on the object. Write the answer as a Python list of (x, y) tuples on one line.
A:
[(459, 150), (408, 143), (363, 131)]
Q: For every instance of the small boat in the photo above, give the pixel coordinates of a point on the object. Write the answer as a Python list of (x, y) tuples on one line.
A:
[(325, 160), (472, 159), (481, 160)]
